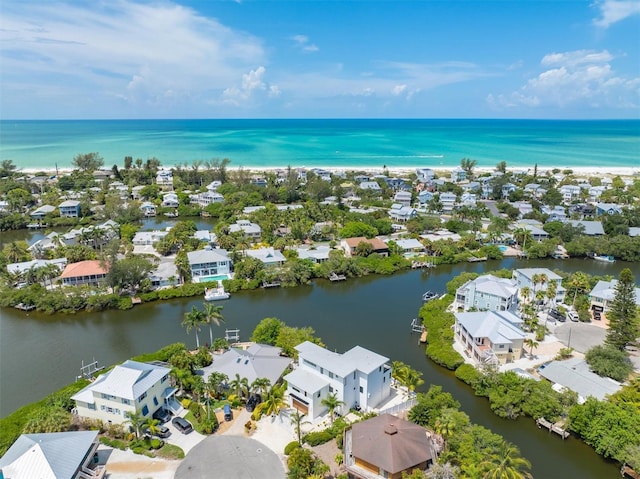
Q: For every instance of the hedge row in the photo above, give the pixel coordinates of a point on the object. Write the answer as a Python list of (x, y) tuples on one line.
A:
[(439, 324)]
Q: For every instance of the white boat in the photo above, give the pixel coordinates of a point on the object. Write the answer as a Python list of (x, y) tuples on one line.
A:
[(604, 258), (216, 294)]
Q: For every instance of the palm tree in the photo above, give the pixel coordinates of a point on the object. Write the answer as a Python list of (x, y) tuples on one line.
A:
[(532, 343), (151, 425), (274, 401), (260, 385), (445, 425), (136, 420), (525, 291), (331, 402), (215, 381), (297, 422), (192, 320), (212, 314), (413, 380), (240, 386), (506, 463)]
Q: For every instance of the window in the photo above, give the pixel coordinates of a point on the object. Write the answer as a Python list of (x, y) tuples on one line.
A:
[(330, 389), (145, 410), (164, 378), (330, 374), (91, 406), (360, 388), (108, 397), (309, 363), (142, 396), (155, 401), (380, 369), (318, 395), (321, 370)]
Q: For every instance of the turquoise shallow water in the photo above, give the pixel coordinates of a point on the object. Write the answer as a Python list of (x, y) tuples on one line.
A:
[(327, 143)]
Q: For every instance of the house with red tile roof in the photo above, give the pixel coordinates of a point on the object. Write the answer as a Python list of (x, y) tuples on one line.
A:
[(83, 272)]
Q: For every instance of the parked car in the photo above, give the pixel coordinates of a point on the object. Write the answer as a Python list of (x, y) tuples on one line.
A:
[(162, 415), (228, 414), (597, 315), (161, 431), (573, 316), (182, 425), (557, 315), (253, 401)]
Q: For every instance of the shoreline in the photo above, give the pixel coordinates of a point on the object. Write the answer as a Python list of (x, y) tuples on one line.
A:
[(578, 171)]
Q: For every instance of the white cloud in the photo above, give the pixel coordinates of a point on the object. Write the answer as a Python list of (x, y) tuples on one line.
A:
[(252, 83), (302, 42), (140, 53), (613, 11), (398, 89), (578, 78)]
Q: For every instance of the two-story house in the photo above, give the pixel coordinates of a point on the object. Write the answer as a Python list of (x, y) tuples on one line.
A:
[(400, 212), (403, 198), (492, 337), (538, 279), (448, 201), (603, 293), (129, 387), (250, 230), (69, 209), (487, 292), (208, 262), (358, 378), (458, 175)]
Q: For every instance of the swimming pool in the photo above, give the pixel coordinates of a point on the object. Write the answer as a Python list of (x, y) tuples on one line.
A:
[(217, 277), (502, 248)]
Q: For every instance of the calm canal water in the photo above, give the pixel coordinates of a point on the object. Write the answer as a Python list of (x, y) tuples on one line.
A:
[(40, 353)]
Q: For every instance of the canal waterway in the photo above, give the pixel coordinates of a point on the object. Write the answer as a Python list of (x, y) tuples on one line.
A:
[(40, 353)]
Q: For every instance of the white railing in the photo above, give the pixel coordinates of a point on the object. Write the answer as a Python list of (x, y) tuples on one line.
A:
[(408, 404)]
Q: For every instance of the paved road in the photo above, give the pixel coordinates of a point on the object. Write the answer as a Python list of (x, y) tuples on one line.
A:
[(230, 457), (580, 336)]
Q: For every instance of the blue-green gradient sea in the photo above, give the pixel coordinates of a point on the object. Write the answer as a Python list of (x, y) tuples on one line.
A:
[(327, 143)]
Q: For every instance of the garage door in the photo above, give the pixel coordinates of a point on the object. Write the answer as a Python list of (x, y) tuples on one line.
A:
[(300, 406)]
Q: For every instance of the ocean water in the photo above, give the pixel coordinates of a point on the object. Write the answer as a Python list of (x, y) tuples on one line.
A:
[(327, 143)]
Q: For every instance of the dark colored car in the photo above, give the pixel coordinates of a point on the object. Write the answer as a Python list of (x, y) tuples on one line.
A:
[(161, 431), (182, 425), (557, 315), (253, 401), (597, 316), (228, 414), (162, 415)]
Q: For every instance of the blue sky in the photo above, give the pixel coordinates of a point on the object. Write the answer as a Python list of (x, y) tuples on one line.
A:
[(320, 59)]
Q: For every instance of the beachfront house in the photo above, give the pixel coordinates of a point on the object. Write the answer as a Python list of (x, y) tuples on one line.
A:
[(603, 293), (458, 175), (69, 209), (53, 455), (358, 378), (570, 193), (387, 447), (164, 180), (349, 245), (129, 387), (487, 292), (256, 361), (250, 230), (270, 257), (490, 337), (89, 272), (208, 262), (538, 279), (425, 175)]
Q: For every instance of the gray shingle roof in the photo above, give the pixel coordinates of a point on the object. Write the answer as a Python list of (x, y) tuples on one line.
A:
[(259, 361), (207, 256), (591, 228)]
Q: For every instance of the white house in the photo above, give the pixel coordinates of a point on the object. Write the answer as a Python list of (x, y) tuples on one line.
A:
[(487, 292), (148, 238), (170, 200), (468, 199), (164, 179), (492, 337), (570, 193), (358, 377), (317, 254), (129, 387), (208, 262), (448, 201), (42, 211), (603, 293), (21, 268), (410, 246), (246, 227), (458, 175), (399, 212), (370, 185), (207, 198), (148, 209), (425, 174), (268, 256), (524, 277)]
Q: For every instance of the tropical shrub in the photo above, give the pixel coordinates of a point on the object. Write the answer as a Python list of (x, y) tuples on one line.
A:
[(290, 447)]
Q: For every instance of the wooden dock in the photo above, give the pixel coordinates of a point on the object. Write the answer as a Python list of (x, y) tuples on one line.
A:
[(273, 284), (422, 264), (557, 427), (474, 259), (626, 471), (136, 300), (423, 336), (25, 307), (337, 277)]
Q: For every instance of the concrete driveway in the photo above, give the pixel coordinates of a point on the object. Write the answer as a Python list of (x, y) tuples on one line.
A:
[(580, 336), (230, 457), (184, 441)]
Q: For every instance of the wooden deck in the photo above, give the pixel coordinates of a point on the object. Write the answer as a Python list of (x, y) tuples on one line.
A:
[(273, 284), (626, 471), (557, 427), (337, 277), (25, 307)]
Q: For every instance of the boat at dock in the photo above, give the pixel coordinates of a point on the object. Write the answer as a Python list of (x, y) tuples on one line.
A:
[(216, 294), (602, 257), (429, 296)]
